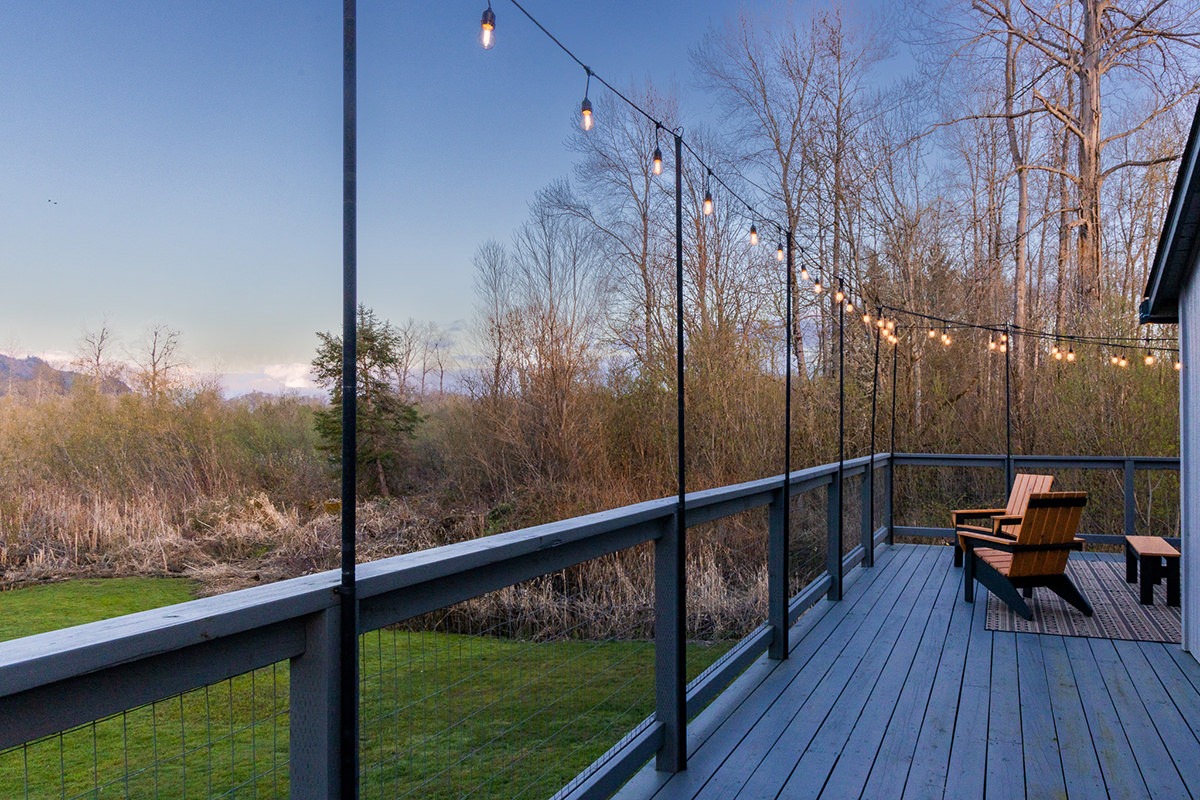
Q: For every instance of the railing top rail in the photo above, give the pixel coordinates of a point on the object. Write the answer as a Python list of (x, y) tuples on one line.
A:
[(1077, 462)]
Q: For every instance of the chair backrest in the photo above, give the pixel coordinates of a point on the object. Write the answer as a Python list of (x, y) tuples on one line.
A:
[(1050, 518), (1024, 485)]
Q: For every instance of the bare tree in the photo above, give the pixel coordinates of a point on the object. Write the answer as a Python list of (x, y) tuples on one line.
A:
[(157, 361)]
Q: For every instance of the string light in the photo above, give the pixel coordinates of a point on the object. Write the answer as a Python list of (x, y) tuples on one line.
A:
[(1071, 353), (991, 342), (849, 306), (1123, 362), (893, 338), (656, 162), (804, 273), (708, 201), (1114, 360), (487, 28), (817, 287), (1178, 365), (839, 295), (946, 339), (753, 236), (1055, 351), (867, 318), (1149, 359), (779, 252), (932, 333)]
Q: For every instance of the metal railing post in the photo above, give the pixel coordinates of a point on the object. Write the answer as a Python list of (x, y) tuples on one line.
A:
[(1130, 501), (670, 647), (777, 577), (315, 711), (833, 537)]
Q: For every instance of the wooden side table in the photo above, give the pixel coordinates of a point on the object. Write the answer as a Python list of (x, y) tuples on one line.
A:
[(1157, 560)]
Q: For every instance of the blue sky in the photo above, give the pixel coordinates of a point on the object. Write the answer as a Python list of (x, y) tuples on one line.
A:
[(180, 163)]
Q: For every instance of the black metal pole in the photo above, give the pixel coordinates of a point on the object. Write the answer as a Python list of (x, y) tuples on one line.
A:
[(348, 642), (841, 432), (892, 454), (1008, 468), (680, 566), (871, 469), (789, 280)]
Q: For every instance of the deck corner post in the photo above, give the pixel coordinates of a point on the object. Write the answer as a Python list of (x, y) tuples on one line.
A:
[(315, 703), (833, 536), (1130, 498), (670, 645), (777, 576)]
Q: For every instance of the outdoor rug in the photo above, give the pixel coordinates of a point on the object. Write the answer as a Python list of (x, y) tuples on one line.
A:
[(1118, 614)]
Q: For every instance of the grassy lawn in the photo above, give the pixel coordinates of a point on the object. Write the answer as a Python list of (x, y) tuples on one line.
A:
[(442, 715)]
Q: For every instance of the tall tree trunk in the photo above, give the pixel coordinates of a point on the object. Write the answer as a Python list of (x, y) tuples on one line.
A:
[(1089, 155)]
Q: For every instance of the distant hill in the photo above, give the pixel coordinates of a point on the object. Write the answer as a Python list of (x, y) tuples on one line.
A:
[(31, 376)]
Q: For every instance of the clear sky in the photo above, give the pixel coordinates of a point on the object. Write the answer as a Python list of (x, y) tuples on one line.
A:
[(177, 162)]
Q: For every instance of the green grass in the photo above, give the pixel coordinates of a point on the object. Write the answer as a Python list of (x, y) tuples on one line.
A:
[(441, 714), (37, 609)]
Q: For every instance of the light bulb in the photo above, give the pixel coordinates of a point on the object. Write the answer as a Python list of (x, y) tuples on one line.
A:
[(708, 203), (991, 343), (779, 253), (487, 28), (932, 333), (804, 273), (753, 236), (1178, 365), (1004, 337), (656, 164), (1113, 360), (849, 307), (1003, 347), (891, 324), (882, 323), (1124, 362), (946, 340), (1054, 349), (586, 110), (1149, 359), (1058, 355), (866, 319), (817, 287), (893, 338), (1071, 353)]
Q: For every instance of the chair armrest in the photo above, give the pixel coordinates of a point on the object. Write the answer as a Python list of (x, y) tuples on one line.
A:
[(969, 538), (1001, 520), (973, 513)]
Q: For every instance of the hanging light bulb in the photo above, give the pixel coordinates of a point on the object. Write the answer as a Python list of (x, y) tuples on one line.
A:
[(585, 109), (753, 236), (779, 252), (991, 343), (1149, 359), (932, 333), (866, 318), (817, 287), (656, 162), (891, 324), (946, 339), (1003, 346), (804, 273), (1114, 360), (1058, 354), (849, 306), (1004, 337), (882, 323), (1071, 353), (1178, 365), (487, 28), (893, 338), (1123, 362), (839, 295)]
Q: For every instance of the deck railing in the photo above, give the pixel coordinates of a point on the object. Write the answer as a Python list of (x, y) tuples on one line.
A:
[(54, 682)]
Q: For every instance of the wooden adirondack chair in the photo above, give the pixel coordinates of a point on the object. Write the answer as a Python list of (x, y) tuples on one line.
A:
[(1037, 557), (1001, 521)]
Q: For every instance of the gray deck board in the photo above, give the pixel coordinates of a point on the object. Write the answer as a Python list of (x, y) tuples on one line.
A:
[(900, 691)]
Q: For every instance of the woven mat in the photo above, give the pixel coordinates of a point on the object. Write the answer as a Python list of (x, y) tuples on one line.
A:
[(1118, 614)]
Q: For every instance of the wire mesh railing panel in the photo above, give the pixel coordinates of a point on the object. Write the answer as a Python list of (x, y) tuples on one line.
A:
[(227, 740), (726, 584), (807, 540), (1156, 494), (514, 693), (925, 494)]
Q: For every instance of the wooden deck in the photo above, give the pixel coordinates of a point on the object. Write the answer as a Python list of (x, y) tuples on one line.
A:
[(900, 692)]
